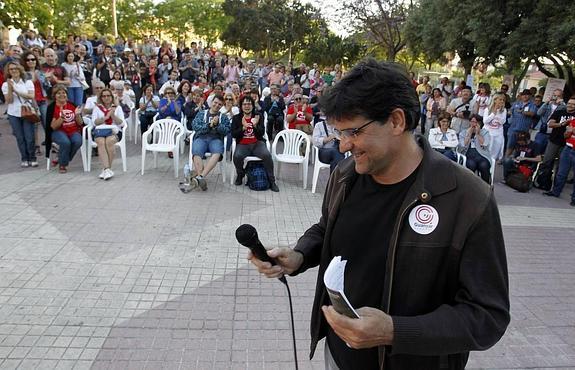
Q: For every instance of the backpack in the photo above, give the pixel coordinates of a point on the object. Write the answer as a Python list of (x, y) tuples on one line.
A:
[(257, 176), (518, 181)]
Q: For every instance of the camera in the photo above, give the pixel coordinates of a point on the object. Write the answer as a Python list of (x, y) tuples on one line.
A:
[(466, 113)]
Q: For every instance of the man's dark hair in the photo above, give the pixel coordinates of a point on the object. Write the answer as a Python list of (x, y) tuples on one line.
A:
[(373, 90)]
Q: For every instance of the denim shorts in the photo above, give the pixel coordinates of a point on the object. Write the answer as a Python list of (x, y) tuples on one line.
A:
[(207, 144)]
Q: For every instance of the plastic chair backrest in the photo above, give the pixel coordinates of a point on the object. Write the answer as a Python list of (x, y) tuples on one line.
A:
[(293, 140), (166, 130)]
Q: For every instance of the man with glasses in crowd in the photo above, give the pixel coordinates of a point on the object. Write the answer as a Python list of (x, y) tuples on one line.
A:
[(426, 266)]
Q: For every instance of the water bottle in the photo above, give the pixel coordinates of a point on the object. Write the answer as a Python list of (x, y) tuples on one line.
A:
[(187, 172)]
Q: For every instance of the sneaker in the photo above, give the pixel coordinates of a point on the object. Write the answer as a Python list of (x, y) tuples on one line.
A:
[(62, 169), (239, 180), (202, 183), (274, 187), (24, 164), (194, 183), (102, 174), (34, 163), (111, 172), (108, 174), (550, 194), (170, 155)]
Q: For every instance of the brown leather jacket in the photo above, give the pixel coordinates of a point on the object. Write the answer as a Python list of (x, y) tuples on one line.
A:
[(447, 291)]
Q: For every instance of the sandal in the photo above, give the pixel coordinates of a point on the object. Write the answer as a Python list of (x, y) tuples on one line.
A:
[(63, 169)]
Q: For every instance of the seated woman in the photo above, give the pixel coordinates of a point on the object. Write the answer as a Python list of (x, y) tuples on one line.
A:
[(149, 104), (475, 143), (107, 112), (184, 92), (525, 154), (324, 139), (117, 80), (169, 106), (443, 139), (66, 123), (248, 128)]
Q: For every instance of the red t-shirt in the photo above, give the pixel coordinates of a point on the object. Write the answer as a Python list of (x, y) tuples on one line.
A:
[(300, 118), (249, 136), (68, 112)]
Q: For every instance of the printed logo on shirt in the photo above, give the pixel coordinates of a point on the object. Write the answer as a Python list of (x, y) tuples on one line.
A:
[(423, 219)]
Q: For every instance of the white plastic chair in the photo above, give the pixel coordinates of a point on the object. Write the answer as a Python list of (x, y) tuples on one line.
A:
[(91, 144), (222, 164), (293, 140), (249, 158), (166, 136), (318, 165), (461, 159)]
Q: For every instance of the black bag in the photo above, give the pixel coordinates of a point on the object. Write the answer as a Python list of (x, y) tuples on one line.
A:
[(257, 176), (519, 182)]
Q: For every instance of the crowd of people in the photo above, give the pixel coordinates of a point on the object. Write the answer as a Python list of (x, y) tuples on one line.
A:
[(492, 128), (166, 82)]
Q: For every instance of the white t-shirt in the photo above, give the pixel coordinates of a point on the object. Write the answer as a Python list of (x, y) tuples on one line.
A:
[(23, 87), (493, 122)]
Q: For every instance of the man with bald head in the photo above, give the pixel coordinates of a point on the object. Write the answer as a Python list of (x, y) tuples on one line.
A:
[(55, 73)]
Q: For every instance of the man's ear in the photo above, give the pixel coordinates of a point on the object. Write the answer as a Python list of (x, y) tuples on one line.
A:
[(397, 120)]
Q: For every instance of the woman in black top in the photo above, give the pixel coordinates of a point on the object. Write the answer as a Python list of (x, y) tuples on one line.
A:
[(248, 131)]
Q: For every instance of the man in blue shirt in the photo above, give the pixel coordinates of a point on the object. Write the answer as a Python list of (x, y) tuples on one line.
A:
[(523, 113)]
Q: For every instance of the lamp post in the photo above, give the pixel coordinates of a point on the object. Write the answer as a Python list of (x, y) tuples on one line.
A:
[(269, 44), (114, 18)]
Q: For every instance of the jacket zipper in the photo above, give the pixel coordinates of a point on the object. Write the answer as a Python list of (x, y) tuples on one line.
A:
[(394, 246)]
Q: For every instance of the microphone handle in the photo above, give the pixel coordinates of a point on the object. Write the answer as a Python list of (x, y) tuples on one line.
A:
[(259, 251)]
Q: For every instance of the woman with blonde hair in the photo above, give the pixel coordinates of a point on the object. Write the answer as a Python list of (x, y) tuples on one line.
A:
[(230, 107), (19, 91), (493, 119), (107, 112)]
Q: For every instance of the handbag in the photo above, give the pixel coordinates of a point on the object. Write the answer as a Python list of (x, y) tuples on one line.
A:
[(29, 112)]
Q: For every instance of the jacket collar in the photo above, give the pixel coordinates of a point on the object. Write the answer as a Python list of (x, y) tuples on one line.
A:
[(435, 175)]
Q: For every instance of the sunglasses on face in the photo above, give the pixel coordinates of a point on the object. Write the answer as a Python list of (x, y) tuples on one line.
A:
[(31, 60), (229, 99), (298, 99)]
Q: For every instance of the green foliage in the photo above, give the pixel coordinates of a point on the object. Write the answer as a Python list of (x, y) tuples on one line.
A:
[(275, 26), (332, 49)]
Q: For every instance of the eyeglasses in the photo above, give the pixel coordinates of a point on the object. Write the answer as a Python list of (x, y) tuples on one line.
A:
[(229, 99), (298, 99), (106, 96), (350, 132), (31, 59), (170, 93)]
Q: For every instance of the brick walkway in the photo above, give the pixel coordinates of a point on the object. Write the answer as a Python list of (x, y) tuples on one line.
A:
[(133, 274)]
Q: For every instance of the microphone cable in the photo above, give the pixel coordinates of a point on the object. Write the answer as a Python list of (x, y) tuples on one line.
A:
[(284, 281)]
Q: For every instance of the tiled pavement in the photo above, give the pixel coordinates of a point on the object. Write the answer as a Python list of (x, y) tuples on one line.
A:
[(133, 274)]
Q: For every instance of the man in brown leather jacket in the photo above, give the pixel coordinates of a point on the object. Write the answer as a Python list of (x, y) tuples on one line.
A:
[(426, 266)]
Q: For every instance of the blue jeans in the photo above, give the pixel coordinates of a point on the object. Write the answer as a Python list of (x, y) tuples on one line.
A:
[(68, 146), (43, 107), (25, 137), (76, 95), (566, 162), (477, 162), (330, 155), (207, 144), (541, 140)]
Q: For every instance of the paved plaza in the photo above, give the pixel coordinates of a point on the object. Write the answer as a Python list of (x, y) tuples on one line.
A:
[(133, 274)]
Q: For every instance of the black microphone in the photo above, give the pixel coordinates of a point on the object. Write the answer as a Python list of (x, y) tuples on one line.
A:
[(247, 236)]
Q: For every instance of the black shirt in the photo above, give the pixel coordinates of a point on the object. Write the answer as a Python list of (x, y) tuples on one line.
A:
[(361, 236), (560, 116)]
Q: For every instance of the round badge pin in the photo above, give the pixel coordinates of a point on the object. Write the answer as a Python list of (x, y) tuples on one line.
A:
[(423, 219)]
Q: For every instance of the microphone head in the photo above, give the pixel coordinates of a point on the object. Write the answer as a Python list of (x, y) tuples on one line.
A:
[(246, 234)]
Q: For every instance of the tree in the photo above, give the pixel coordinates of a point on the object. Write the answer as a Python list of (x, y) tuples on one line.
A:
[(333, 49), (381, 21)]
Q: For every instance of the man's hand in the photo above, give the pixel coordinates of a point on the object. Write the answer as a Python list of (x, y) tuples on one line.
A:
[(373, 328), (286, 258)]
